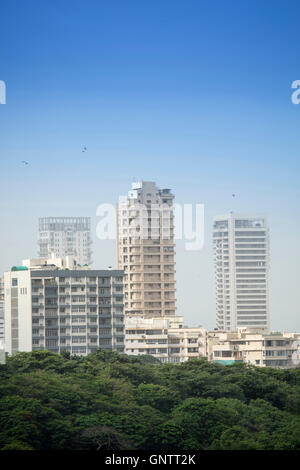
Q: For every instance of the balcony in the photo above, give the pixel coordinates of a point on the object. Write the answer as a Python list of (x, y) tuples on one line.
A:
[(147, 270)]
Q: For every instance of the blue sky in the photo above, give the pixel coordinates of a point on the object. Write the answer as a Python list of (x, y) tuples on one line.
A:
[(193, 95)]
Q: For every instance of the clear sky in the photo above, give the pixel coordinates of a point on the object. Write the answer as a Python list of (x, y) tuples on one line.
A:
[(195, 95)]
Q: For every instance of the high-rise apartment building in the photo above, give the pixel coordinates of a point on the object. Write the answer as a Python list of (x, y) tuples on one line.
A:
[(241, 262), (145, 250), (56, 305), (65, 236)]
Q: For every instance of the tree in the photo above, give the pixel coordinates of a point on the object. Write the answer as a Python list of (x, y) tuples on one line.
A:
[(101, 438), (157, 396)]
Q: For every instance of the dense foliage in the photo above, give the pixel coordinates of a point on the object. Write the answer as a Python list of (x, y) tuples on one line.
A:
[(112, 401)]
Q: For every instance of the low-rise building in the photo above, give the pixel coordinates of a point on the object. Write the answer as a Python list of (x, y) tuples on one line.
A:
[(252, 347), (57, 305), (165, 338), (2, 351), (296, 347)]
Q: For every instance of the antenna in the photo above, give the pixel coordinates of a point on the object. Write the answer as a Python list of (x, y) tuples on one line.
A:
[(233, 197)]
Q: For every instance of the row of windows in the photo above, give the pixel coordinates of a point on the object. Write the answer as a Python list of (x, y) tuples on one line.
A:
[(250, 275), (276, 353), (252, 317), (259, 233), (239, 240), (251, 252), (241, 314), (249, 263), (250, 245), (254, 291), (254, 307)]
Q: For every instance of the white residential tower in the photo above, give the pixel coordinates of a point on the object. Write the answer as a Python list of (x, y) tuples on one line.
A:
[(241, 262)]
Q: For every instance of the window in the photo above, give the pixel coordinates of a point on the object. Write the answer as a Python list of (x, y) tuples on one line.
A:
[(78, 298), (78, 350), (105, 331), (14, 282), (78, 319), (78, 329), (105, 341), (78, 339), (52, 332), (52, 343), (78, 308)]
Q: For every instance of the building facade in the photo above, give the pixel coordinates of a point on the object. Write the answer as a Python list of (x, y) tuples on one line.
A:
[(2, 309), (165, 338), (65, 236), (2, 352), (296, 347), (145, 250), (241, 264), (63, 309), (251, 347)]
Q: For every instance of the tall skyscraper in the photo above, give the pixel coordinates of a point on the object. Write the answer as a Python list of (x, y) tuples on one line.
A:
[(65, 236), (241, 262), (56, 305), (145, 250)]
